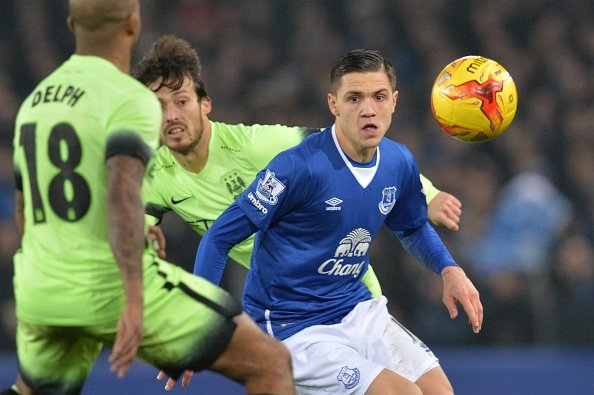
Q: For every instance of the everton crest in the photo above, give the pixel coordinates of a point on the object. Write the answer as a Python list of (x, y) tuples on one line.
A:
[(388, 200), (349, 377)]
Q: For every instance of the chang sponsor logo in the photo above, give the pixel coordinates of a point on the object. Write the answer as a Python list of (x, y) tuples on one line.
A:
[(355, 244), (337, 267)]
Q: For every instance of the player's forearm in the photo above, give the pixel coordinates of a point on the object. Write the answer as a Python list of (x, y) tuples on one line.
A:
[(231, 228), (19, 211), (125, 214), (426, 246), (211, 259)]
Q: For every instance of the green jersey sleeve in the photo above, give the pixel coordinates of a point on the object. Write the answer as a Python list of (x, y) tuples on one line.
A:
[(430, 190)]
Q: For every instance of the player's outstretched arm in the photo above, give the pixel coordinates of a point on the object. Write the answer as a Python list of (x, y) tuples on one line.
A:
[(425, 246), (125, 217), (443, 208), (457, 288), (231, 227), (19, 211)]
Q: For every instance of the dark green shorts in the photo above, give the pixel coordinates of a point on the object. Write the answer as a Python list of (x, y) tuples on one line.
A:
[(187, 325)]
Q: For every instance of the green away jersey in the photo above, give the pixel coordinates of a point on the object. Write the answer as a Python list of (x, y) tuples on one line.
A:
[(81, 114), (236, 154)]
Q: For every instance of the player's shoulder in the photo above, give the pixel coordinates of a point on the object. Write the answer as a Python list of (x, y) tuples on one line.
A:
[(225, 128), (163, 160), (231, 132), (394, 148), (316, 138), (395, 154), (242, 130), (103, 77), (310, 152)]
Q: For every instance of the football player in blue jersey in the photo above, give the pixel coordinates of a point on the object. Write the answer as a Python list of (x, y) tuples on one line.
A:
[(315, 209)]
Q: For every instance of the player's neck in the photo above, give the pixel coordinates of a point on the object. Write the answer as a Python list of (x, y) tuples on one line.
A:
[(191, 162), (353, 150), (117, 52), (195, 159)]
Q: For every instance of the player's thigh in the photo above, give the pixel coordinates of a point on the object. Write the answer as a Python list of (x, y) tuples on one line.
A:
[(252, 352), (435, 382), (188, 321), (408, 355), (326, 363), (55, 358), (390, 383)]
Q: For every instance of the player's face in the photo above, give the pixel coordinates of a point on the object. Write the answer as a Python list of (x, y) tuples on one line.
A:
[(363, 106), (184, 116)]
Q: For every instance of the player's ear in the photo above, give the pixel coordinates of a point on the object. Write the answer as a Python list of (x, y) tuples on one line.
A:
[(130, 24), (332, 104), (132, 21), (394, 99), (70, 23), (206, 105)]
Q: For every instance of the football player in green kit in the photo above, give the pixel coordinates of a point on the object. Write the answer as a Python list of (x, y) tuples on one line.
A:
[(84, 277), (204, 165)]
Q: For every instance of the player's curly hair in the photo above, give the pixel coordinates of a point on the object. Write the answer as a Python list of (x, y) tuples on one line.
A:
[(171, 59)]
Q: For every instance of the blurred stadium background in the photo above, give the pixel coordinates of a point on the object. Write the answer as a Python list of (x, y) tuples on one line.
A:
[(527, 230)]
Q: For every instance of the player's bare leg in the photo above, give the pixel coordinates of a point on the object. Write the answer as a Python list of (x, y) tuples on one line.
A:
[(22, 388), (435, 382), (258, 361), (390, 383)]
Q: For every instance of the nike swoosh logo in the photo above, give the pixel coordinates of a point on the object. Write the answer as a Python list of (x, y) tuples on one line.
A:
[(174, 201)]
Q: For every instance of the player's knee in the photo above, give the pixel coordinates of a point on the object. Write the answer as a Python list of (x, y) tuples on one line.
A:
[(389, 382), (435, 382), (280, 358)]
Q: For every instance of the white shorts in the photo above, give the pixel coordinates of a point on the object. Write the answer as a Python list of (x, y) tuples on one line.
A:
[(345, 358)]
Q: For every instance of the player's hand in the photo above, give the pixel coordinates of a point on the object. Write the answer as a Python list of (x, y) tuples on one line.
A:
[(127, 339), (457, 288), (186, 377), (157, 239), (445, 209)]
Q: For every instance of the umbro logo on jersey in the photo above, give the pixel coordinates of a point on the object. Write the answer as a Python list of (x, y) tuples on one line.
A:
[(333, 204), (178, 201)]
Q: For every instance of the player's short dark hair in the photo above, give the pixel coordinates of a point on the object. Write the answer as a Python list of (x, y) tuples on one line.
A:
[(171, 58), (361, 61)]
